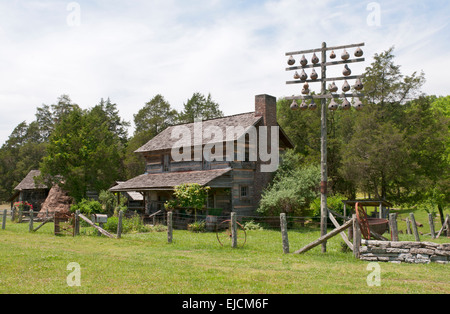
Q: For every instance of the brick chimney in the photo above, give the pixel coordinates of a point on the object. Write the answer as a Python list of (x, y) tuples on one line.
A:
[(266, 106)]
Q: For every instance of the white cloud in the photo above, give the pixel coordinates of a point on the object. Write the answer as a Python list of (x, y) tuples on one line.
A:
[(130, 51)]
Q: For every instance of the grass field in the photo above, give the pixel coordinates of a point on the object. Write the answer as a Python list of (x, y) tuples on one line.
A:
[(195, 263)]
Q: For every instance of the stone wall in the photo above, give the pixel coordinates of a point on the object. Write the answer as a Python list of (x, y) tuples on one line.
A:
[(405, 252)]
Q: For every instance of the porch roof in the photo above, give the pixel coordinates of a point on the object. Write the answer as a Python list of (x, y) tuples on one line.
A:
[(167, 180)]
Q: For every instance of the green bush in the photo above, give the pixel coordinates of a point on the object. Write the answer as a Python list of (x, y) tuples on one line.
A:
[(87, 207), (251, 225), (110, 203), (333, 202), (129, 225), (291, 191), (197, 226), (158, 228)]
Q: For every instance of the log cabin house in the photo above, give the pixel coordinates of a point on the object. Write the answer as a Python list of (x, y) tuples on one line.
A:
[(236, 183)]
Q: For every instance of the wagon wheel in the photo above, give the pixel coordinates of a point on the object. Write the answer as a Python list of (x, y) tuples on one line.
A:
[(223, 233), (363, 221)]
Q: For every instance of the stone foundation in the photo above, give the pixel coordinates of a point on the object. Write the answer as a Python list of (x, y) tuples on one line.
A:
[(405, 252)]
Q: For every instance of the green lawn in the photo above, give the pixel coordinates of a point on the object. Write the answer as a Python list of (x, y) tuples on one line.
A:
[(195, 263)]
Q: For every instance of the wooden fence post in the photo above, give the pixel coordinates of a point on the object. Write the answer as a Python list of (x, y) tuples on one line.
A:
[(445, 225), (20, 215), (414, 226), (432, 231), (30, 226), (119, 225), (448, 226), (284, 233), (356, 237), (77, 222), (393, 227), (233, 230), (169, 227), (13, 213), (408, 226), (4, 220)]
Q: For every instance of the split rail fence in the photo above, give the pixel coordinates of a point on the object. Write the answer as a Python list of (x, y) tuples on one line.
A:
[(381, 249)]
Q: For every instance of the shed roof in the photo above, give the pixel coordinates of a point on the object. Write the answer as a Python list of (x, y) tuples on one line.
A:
[(133, 195), (28, 182), (167, 180), (368, 202)]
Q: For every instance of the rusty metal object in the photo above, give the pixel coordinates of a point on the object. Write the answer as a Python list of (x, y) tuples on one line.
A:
[(224, 233), (361, 216), (378, 225), (323, 187), (64, 223)]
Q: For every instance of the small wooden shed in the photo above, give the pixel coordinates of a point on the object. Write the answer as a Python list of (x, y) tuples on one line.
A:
[(28, 191)]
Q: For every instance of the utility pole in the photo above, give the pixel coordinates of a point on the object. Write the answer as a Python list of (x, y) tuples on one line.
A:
[(324, 95)]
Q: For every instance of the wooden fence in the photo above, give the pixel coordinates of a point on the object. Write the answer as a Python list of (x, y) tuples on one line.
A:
[(384, 250), (440, 253)]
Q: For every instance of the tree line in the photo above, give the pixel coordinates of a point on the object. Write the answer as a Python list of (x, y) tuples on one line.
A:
[(89, 149), (397, 148)]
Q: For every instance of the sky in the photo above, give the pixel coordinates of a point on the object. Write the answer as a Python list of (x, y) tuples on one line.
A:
[(132, 50)]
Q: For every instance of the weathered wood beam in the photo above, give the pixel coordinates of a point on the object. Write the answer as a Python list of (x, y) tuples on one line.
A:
[(325, 237), (43, 223), (343, 235), (446, 222), (329, 79), (101, 230), (326, 96), (326, 64), (327, 49)]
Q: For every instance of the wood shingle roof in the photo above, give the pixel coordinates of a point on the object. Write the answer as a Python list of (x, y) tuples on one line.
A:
[(164, 139), (167, 180), (28, 182)]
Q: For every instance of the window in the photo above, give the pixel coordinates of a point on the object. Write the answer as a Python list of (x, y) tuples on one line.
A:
[(244, 191), (166, 162)]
